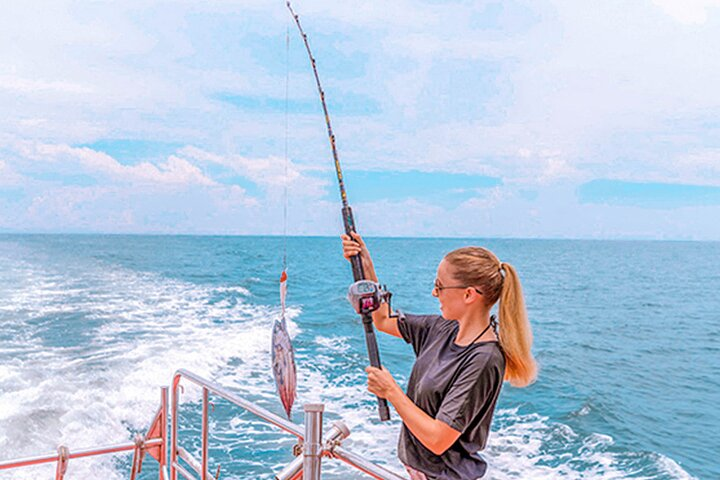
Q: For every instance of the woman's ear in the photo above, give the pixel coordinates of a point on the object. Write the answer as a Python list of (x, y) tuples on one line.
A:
[(470, 295)]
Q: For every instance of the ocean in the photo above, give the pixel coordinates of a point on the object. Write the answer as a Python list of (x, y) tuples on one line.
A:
[(627, 336)]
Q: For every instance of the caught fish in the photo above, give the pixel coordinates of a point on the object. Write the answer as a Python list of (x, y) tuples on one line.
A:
[(283, 355)]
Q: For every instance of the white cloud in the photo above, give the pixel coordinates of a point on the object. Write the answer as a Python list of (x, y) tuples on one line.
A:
[(229, 197), (407, 217), (400, 14), (26, 85), (269, 172), (490, 199), (174, 171), (32, 122), (507, 213), (576, 83), (690, 12), (700, 167), (64, 205), (614, 66), (144, 208), (8, 177), (545, 168)]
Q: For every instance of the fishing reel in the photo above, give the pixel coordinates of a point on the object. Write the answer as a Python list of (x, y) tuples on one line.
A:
[(366, 296)]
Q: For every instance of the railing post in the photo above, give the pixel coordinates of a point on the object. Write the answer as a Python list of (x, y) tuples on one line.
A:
[(163, 431), (312, 446), (62, 462), (174, 428), (205, 428)]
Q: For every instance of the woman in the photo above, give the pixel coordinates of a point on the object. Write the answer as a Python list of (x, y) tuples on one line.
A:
[(462, 358)]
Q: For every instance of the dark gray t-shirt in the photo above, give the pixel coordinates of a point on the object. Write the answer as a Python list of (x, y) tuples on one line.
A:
[(456, 385)]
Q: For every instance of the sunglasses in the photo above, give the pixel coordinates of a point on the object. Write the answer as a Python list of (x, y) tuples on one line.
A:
[(439, 288)]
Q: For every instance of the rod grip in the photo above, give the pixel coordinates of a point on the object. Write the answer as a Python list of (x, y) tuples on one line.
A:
[(374, 355)]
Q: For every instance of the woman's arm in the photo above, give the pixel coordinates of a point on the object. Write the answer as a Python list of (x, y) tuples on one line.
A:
[(381, 317), (435, 435)]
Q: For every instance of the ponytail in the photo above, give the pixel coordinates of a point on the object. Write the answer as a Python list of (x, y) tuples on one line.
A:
[(515, 333), (479, 266)]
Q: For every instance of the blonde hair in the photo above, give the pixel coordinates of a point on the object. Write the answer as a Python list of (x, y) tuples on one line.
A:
[(477, 266)]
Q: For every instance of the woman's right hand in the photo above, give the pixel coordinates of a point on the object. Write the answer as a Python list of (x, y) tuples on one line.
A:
[(356, 246)]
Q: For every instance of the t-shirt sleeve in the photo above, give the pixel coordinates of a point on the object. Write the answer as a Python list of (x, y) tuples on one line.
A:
[(414, 328), (469, 396)]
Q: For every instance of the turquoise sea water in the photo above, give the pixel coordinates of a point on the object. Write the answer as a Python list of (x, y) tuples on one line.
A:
[(627, 335)]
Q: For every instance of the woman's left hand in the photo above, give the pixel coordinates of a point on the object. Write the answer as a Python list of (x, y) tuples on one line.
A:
[(381, 382)]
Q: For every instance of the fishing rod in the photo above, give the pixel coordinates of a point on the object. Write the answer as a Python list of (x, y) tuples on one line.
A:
[(349, 223)]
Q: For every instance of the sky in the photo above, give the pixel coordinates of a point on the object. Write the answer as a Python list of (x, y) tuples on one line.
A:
[(529, 119)]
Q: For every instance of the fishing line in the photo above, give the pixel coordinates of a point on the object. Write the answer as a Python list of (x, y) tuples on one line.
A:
[(283, 353), (287, 130)]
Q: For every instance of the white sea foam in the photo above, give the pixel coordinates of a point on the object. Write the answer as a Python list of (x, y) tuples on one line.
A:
[(531, 446), (672, 469), (98, 394), (235, 289)]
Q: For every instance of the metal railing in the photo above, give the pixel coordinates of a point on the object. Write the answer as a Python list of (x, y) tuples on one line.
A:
[(307, 465), (312, 448)]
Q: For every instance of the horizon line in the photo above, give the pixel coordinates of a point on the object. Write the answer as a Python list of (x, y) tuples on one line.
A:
[(270, 235)]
